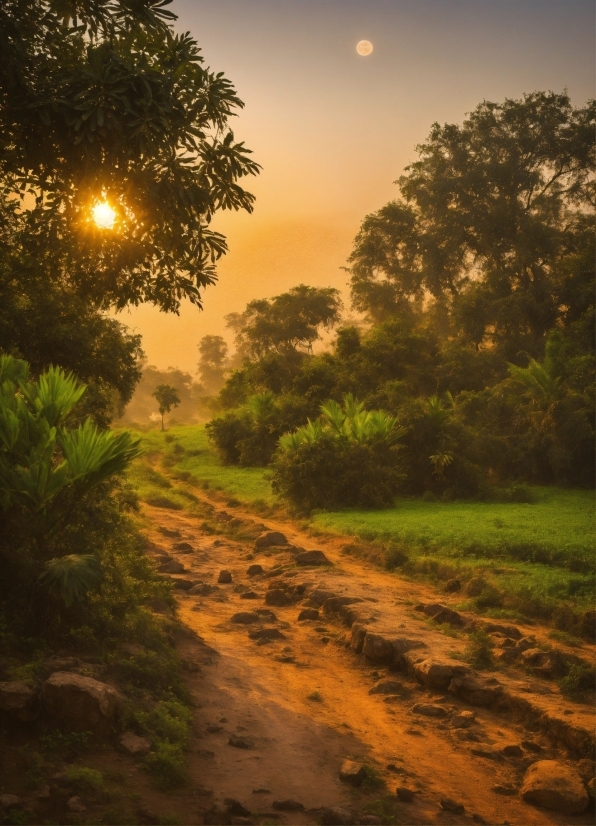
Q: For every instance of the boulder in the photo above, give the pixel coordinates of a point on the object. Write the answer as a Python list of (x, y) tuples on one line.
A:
[(317, 596), (476, 691), (288, 806), (241, 742), (312, 558), (183, 547), (449, 805), (404, 794), (255, 570), (357, 637), (387, 687), (184, 584), (224, 578), (17, 698), (498, 628), (429, 710), (377, 647), (245, 618), (269, 539), (11, 801), (277, 597), (249, 595), (266, 634), (336, 816), (131, 743), (352, 773), (308, 614), (552, 785), (80, 703), (172, 567), (437, 673), (202, 589)]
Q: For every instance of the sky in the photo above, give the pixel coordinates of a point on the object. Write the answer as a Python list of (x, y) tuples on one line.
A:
[(333, 130)]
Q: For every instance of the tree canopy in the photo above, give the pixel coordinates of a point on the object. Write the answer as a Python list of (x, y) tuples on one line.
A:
[(103, 101), (491, 222)]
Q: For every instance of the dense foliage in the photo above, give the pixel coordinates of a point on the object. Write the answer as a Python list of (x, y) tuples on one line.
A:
[(478, 289)]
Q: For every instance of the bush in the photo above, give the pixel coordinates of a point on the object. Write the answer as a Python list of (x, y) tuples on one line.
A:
[(347, 458)]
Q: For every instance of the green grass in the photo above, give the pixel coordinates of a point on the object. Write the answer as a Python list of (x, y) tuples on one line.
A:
[(534, 560)]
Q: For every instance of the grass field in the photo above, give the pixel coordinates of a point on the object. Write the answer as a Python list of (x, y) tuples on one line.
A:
[(526, 559)]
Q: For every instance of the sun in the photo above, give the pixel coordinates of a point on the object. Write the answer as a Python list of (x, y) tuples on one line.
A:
[(103, 215), (364, 47)]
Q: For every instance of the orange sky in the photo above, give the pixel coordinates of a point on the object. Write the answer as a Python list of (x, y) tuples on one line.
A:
[(333, 130)]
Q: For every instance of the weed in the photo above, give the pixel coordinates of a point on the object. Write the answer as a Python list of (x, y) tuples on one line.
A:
[(372, 778), (564, 637), (579, 681), (85, 780), (384, 808), (169, 720), (167, 766), (479, 651), (315, 697), (59, 742)]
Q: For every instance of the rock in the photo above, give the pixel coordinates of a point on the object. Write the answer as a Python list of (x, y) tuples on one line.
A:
[(224, 578), (475, 691), (334, 605), (168, 532), (404, 794), (449, 805), (255, 570), (172, 567), (438, 673), (312, 558), (452, 586), (552, 785), (245, 618), (586, 769), (184, 584), (429, 710), (448, 616), (530, 745), (269, 539), (287, 806), (202, 589), (308, 614), (267, 634), (241, 742), (588, 626), (475, 586), (75, 804), (352, 773), (249, 595), (357, 638), (506, 789), (17, 698), (464, 719), (318, 596), (11, 801), (336, 816), (497, 628), (266, 614), (261, 791), (277, 597), (217, 816), (512, 751), (135, 745), (80, 703), (183, 547), (236, 808), (487, 753), (377, 647), (387, 687)]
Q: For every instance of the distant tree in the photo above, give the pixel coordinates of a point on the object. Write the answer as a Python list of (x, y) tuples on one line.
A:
[(289, 322), (213, 351), (489, 216), (104, 101), (167, 397)]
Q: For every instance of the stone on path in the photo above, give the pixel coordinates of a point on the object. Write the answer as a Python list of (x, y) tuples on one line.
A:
[(449, 805), (336, 816), (552, 785), (224, 578), (255, 570), (308, 614), (172, 567), (249, 595), (183, 547), (241, 742), (429, 710), (387, 687), (135, 745), (312, 558), (245, 618), (404, 794), (270, 539), (287, 806), (266, 634), (352, 773), (277, 597)]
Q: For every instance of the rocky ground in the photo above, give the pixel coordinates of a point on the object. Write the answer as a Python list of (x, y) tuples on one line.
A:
[(328, 691)]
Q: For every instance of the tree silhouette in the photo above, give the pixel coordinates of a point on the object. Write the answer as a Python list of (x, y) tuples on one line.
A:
[(167, 397)]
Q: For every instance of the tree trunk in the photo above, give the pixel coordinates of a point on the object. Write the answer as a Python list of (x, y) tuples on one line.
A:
[(162, 427)]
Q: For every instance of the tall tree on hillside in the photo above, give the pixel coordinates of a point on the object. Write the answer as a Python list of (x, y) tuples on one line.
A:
[(167, 397), (488, 219), (213, 352)]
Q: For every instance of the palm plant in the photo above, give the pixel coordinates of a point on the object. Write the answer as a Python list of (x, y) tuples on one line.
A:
[(46, 467)]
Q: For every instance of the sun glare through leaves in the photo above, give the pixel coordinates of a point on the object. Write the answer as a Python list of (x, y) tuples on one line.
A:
[(103, 215)]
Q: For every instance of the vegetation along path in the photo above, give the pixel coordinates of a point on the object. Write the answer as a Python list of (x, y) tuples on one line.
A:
[(308, 660)]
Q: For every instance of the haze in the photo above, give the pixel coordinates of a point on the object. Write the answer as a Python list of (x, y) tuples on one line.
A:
[(333, 130)]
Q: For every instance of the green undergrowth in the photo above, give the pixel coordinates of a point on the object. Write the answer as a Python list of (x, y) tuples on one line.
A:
[(531, 559)]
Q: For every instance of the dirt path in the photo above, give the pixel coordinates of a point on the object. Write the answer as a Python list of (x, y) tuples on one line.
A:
[(301, 702)]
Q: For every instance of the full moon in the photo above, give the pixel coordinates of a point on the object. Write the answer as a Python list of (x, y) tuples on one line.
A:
[(364, 47)]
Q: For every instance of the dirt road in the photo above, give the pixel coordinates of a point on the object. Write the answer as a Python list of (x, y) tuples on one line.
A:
[(282, 702)]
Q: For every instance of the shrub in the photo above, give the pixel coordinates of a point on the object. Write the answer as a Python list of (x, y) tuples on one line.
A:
[(346, 458), (479, 651)]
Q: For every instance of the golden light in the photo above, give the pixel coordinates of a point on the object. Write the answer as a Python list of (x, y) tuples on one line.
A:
[(364, 47), (103, 215)]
